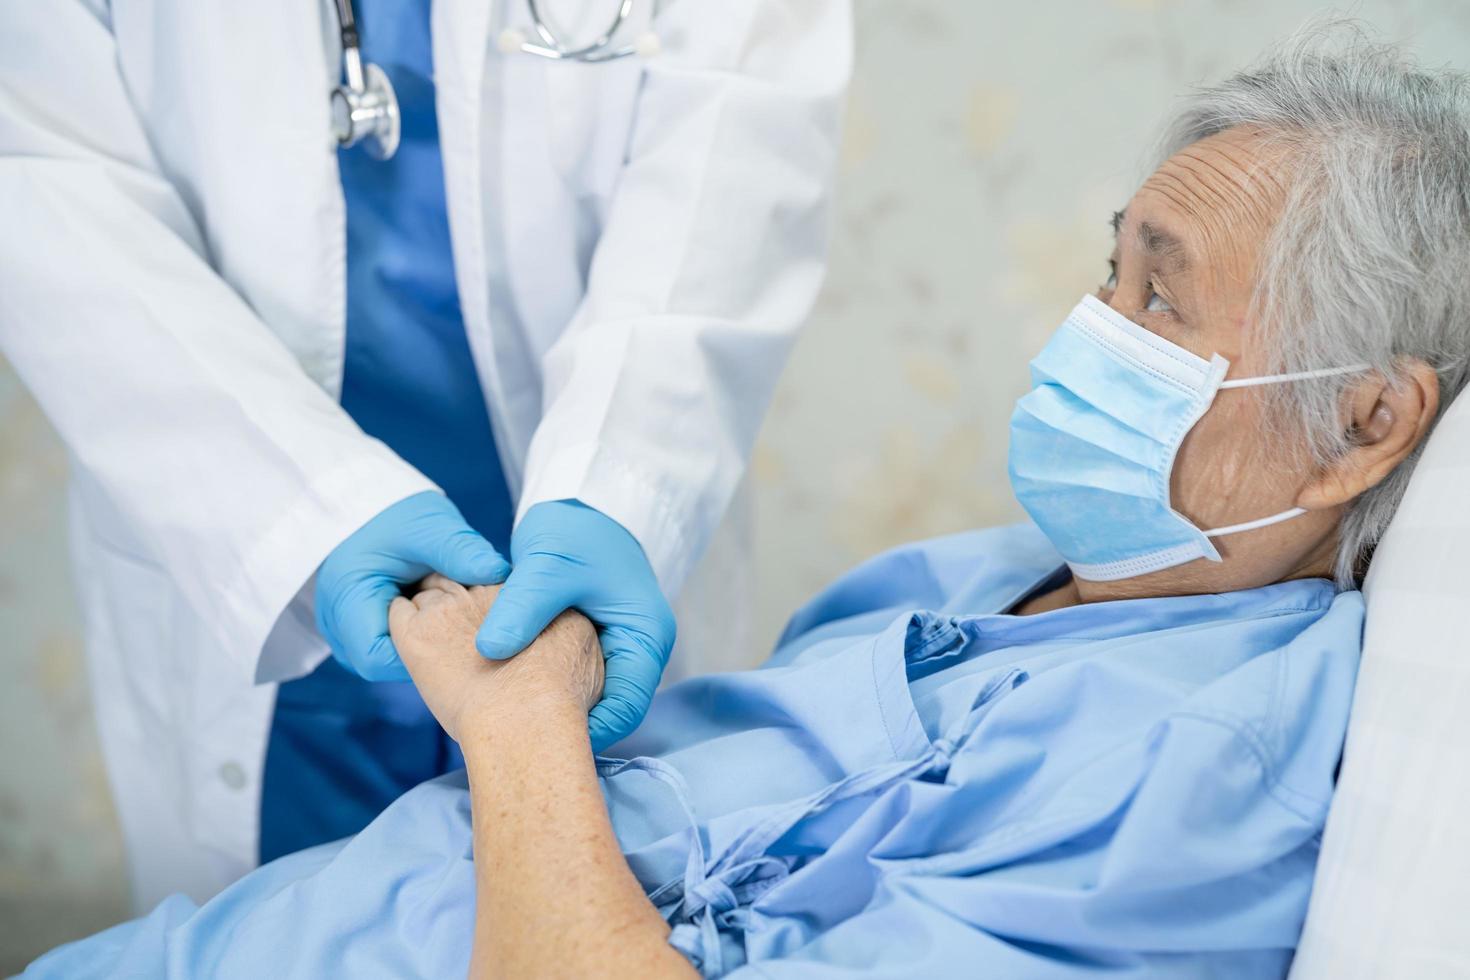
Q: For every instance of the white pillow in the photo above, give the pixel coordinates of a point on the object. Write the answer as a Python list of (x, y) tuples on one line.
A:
[(1392, 892)]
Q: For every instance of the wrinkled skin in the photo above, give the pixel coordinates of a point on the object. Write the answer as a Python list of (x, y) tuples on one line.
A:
[(1184, 266), (435, 635)]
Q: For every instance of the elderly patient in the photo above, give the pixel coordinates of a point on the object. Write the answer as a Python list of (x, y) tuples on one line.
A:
[(1100, 742)]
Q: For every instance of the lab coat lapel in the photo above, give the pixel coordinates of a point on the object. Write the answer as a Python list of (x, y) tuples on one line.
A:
[(256, 146), (461, 38)]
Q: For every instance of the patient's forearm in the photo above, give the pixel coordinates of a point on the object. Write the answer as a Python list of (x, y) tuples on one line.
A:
[(554, 895)]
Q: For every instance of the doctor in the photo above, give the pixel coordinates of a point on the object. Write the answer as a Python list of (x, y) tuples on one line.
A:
[(298, 366)]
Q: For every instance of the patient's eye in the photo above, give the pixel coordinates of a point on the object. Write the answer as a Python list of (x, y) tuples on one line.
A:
[(1157, 303), (1111, 282)]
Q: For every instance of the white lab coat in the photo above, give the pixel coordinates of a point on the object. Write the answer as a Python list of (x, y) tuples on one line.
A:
[(635, 246)]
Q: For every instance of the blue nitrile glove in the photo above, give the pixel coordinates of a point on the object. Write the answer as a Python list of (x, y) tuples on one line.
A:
[(418, 535), (566, 555)]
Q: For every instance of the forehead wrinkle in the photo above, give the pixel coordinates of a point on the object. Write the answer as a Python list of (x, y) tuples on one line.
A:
[(1213, 199), (1254, 166), (1229, 174), (1176, 193), (1235, 191), (1207, 206)]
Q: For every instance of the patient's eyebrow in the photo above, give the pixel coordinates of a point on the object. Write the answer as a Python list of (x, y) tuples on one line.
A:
[(1165, 244), (1156, 241)]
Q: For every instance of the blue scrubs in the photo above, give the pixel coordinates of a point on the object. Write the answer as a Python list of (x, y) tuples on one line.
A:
[(915, 785), (341, 749)]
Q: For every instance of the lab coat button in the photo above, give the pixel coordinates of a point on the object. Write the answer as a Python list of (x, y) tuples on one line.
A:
[(232, 774)]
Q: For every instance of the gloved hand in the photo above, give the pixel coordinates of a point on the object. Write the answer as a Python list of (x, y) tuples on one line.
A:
[(418, 535), (566, 555)]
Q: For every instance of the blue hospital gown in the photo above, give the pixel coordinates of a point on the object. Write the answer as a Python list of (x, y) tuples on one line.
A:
[(915, 785)]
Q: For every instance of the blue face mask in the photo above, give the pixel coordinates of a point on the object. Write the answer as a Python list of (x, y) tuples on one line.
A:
[(1093, 444)]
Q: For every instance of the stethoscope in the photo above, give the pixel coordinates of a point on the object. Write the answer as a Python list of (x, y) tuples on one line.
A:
[(365, 109)]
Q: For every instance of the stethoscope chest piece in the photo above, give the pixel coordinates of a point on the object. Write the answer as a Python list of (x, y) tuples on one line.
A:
[(366, 112), (364, 108)]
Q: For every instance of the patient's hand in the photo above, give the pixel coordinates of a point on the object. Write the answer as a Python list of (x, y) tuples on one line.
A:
[(435, 635)]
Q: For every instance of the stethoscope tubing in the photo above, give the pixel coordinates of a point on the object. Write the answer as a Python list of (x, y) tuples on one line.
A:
[(598, 50), (365, 108)]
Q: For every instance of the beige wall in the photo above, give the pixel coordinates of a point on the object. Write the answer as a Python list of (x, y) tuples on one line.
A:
[(986, 145)]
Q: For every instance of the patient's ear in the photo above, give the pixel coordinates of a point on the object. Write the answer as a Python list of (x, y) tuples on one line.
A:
[(1385, 422)]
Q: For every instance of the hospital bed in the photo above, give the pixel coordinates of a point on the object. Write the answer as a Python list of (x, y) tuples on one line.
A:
[(1392, 892)]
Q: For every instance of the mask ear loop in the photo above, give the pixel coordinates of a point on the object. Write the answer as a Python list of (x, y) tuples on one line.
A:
[(1285, 515), (1271, 379)]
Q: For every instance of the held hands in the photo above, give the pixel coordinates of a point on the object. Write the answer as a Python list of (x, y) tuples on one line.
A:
[(435, 635), (418, 535), (568, 555)]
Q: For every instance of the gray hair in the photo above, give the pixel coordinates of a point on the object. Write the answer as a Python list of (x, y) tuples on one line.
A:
[(1370, 259)]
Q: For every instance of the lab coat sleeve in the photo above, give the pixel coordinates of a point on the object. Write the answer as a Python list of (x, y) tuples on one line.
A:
[(711, 257), (198, 443)]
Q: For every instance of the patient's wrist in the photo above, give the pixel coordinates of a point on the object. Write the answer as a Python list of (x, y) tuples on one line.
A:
[(531, 716)]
